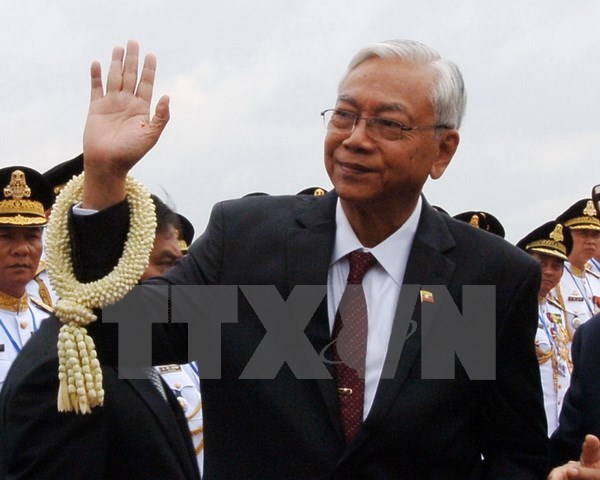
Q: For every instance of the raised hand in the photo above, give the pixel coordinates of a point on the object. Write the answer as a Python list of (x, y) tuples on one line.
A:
[(119, 130)]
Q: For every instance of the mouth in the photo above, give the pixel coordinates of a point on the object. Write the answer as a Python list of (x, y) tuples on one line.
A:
[(19, 266), (353, 168)]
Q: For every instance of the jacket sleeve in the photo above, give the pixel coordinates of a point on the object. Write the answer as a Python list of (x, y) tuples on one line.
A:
[(516, 439)]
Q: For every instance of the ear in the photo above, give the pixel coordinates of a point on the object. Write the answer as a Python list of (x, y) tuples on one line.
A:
[(447, 145)]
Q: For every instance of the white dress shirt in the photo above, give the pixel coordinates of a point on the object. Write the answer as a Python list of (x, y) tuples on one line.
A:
[(381, 284)]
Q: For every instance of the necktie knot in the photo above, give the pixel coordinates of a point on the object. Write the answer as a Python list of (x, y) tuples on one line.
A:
[(360, 263)]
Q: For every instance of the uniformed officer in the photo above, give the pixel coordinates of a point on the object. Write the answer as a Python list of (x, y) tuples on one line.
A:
[(174, 233), (579, 287), (57, 177), (483, 220), (550, 244), (24, 198)]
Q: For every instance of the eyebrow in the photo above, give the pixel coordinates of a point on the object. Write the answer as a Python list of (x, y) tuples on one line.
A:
[(384, 107)]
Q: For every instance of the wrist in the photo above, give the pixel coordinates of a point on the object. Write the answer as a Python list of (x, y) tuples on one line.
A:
[(101, 191)]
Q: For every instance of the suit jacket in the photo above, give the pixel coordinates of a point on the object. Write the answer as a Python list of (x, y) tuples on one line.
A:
[(580, 414), (136, 434), (289, 428)]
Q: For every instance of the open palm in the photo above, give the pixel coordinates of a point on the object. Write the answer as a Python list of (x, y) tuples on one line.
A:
[(119, 131)]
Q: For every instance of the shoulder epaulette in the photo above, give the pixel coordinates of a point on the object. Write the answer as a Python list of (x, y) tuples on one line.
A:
[(38, 303), (557, 303), (591, 272), (43, 291)]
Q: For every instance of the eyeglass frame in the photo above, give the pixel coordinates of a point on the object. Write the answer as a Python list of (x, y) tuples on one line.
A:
[(369, 120)]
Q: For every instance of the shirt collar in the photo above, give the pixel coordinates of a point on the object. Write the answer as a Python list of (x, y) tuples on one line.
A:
[(392, 253)]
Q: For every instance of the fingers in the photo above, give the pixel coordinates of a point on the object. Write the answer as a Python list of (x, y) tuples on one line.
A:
[(162, 113), (114, 81), (123, 73), (146, 85), (96, 79), (130, 67), (590, 451), (565, 472)]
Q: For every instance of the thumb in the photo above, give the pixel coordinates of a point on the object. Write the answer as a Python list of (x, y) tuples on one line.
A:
[(590, 451)]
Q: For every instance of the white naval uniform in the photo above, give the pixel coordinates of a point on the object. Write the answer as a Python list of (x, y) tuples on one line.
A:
[(595, 266), (554, 356), (579, 294), (19, 319), (183, 380)]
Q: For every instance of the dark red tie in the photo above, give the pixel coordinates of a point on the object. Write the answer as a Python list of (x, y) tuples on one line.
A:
[(350, 344)]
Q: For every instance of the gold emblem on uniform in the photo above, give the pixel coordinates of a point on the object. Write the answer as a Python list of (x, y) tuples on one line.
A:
[(16, 206), (474, 221), (17, 189), (589, 209), (557, 233)]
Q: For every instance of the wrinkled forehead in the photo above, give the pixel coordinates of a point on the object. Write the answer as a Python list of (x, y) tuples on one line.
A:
[(379, 85)]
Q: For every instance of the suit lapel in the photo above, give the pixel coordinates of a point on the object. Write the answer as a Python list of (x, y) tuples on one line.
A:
[(172, 421), (313, 237), (427, 265), (310, 246)]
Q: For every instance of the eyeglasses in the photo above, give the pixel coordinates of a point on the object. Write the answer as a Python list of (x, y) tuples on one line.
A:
[(378, 128)]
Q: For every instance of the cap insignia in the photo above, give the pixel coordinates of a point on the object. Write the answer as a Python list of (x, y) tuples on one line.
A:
[(557, 233), (17, 189), (589, 209), (474, 221)]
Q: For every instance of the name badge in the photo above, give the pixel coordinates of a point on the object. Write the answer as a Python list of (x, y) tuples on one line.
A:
[(574, 298), (163, 369)]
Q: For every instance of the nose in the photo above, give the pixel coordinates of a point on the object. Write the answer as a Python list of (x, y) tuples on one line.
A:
[(20, 249), (359, 136)]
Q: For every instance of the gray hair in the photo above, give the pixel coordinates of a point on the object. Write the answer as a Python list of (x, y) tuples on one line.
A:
[(448, 96)]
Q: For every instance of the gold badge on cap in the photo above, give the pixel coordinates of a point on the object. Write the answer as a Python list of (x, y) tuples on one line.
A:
[(17, 189), (590, 210), (474, 221), (557, 233), (18, 206)]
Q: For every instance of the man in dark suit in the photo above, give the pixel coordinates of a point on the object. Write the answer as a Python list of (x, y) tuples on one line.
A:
[(394, 125), (138, 433)]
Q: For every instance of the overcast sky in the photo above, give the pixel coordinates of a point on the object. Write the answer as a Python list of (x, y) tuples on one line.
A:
[(247, 80)]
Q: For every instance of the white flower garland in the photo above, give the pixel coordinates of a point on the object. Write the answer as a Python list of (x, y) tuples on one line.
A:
[(79, 370)]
